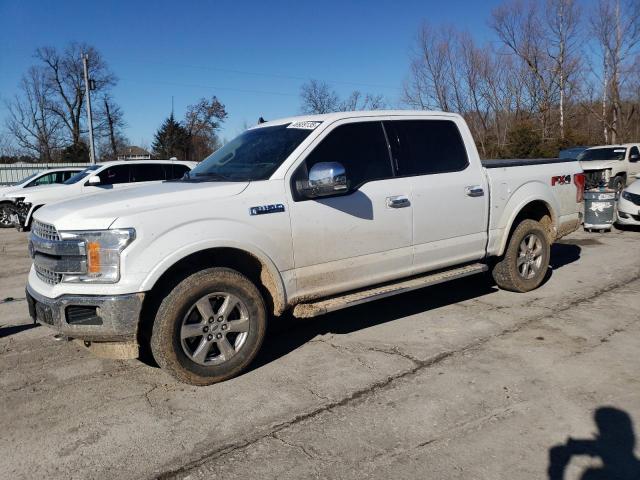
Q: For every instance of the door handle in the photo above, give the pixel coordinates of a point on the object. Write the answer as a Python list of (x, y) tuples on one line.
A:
[(474, 191), (399, 201)]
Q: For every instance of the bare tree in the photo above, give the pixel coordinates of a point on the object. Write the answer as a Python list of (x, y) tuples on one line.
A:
[(356, 101), (563, 18), (616, 27), (519, 28), (429, 85), (110, 127), (318, 97), (65, 82), (202, 121), (31, 121)]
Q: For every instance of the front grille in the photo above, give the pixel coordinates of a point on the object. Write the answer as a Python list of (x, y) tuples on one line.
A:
[(594, 179), (46, 275), (45, 231)]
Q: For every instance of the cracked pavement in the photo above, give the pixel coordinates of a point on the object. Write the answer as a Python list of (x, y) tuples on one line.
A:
[(459, 380)]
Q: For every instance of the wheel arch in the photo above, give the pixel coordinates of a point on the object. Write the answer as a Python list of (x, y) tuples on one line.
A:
[(531, 209)]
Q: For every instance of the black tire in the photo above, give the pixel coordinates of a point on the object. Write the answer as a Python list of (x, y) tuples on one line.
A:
[(508, 273), (178, 315), (618, 183), (5, 211)]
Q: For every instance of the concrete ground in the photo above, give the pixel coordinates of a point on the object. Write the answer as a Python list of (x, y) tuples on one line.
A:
[(460, 380)]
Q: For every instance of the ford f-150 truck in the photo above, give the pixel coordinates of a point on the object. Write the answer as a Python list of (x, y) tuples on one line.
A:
[(307, 214)]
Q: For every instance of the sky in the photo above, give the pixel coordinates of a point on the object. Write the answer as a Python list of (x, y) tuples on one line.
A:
[(253, 55)]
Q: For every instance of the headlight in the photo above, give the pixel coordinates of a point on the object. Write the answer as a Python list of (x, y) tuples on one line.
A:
[(102, 250)]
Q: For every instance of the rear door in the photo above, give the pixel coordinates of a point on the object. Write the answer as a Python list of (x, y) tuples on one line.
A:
[(449, 192)]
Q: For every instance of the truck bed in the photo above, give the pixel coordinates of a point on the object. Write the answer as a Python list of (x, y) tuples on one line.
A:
[(522, 162)]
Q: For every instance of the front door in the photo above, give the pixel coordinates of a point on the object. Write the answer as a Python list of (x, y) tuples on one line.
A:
[(360, 237)]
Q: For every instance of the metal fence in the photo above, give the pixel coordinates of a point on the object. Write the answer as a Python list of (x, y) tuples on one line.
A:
[(14, 172)]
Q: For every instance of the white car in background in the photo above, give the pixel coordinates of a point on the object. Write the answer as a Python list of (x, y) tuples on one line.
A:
[(629, 205), (44, 177), (614, 166), (95, 179)]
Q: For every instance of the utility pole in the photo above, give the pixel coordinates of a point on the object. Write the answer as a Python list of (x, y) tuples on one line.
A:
[(92, 151)]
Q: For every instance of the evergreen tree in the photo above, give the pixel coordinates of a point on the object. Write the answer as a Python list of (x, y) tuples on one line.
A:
[(171, 140)]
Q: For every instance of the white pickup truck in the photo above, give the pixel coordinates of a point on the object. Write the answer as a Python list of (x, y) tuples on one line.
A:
[(308, 214)]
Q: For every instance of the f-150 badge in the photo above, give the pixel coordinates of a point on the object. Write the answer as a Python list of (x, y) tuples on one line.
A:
[(263, 209)]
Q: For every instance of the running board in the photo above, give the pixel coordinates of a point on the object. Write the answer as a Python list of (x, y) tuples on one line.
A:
[(320, 307)]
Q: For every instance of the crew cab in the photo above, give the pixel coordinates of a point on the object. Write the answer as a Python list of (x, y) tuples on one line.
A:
[(97, 178), (307, 214), (614, 166), (44, 177)]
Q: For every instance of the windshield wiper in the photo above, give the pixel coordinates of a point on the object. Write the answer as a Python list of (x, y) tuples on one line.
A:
[(213, 175)]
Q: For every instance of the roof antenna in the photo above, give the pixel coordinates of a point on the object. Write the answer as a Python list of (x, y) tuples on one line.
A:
[(261, 120)]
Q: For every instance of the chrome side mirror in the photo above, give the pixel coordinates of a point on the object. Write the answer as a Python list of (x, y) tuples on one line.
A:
[(94, 180), (325, 178)]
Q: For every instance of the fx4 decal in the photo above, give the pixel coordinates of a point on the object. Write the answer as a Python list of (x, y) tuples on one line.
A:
[(560, 180)]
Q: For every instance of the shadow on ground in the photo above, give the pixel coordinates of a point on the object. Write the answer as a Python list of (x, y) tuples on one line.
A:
[(286, 334), (613, 444), (12, 330)]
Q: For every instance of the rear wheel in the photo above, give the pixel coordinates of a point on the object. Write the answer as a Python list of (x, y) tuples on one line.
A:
[(526, 259), (210, 327)]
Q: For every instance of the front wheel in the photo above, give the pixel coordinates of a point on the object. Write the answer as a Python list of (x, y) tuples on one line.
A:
[(210, 327), (618, 183), (526, 259)]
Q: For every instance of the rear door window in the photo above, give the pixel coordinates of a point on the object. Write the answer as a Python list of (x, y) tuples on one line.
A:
[(47, 179), (175, 171), (147, 172), (423, 147)]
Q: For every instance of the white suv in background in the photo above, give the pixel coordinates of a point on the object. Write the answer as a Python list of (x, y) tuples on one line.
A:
[(97, 178), (44, 177), (610, 165)]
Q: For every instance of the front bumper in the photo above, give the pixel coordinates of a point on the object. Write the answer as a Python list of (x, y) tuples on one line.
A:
[(628, 213), (100, 318)]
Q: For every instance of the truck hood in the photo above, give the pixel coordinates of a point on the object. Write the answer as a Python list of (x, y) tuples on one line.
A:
[(100, 210), (8, 190), (600, 164)]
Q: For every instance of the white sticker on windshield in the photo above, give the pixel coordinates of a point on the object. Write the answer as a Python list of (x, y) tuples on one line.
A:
[(304, 125), (619, 150)]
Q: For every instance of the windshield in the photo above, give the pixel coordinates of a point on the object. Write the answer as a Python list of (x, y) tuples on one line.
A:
[(602, 154), (253, 155), (25, 179), (80, 175)]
